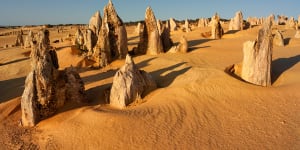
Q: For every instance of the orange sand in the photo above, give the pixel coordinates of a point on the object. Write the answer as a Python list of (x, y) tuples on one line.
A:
[(197, 105)]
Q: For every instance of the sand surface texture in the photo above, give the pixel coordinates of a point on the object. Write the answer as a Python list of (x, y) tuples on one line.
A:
[(197, 104)]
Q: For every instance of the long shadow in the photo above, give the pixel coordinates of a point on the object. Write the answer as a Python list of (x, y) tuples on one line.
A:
[(166, 80), (193, 44), (99, 76), (197, 42), (280, 65), (14, 61), (145, 63), (11, 88), (195, 48), (98, 92), (232, 31)]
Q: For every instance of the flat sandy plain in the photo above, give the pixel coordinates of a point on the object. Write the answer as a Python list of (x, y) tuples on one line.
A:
[(197, 104)]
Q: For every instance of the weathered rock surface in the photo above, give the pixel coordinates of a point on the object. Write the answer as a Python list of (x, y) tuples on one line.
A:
[(236, 23), (90, 40), (79, 39), (257, 59), (186, 26), (95, 23), (216, 28), (203, 22), (165, 38), (159, 26), (150, 41), (130, 84), (252, 21), (182, 47), (29, 40), (112, 39), (138, 28), (19, 40), (297, 35), (173, 25), (46, 88), (91, 34), (278, 39), (291, 24)]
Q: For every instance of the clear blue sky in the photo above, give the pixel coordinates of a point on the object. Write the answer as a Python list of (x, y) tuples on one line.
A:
[(32, 12)]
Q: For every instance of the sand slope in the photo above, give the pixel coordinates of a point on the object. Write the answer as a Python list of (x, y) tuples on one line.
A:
[(197, 105)]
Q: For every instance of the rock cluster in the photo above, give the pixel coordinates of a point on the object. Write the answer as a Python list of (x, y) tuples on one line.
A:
[(112, 38), (291, 23), (216, 28), (257, 59), (130, 84), (203, 22), (236, 23), (47, 88)]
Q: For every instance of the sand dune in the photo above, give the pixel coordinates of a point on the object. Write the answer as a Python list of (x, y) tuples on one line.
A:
[(197, 104)]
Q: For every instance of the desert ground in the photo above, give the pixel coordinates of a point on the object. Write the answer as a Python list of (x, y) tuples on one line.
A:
[(197, 104)]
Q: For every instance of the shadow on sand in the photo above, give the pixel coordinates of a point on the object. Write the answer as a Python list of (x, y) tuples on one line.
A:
[(165, 80), (11, 88), (194, 44), (232, 31), (281, 65), (14, 61)]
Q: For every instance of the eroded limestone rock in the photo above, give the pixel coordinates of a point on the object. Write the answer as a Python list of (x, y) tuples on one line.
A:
[(19, 40), (278, 39), (173, 25), (90, 40), (291, 24), (182, 47), (297, 35), (186, 26), (216, 28), (165, 38), (203, 22), (257, 59), (138, 28), (46, 88), (150, 41), (236, 23), (29, 40), (95, 23), (130, 84), (79, 39), (112, 39)]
